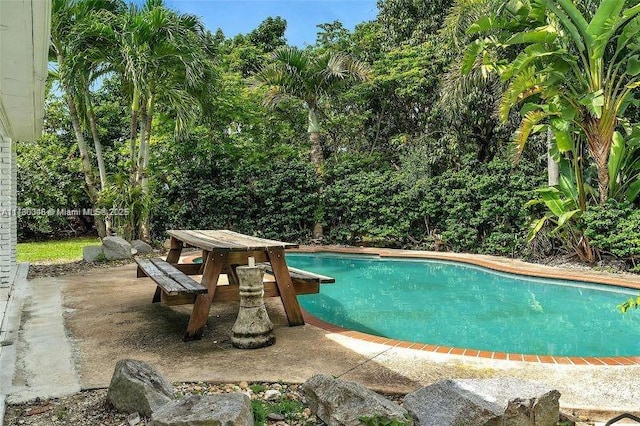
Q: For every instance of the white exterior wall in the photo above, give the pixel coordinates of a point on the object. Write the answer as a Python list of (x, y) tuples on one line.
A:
[(8, 234), (24, 44)]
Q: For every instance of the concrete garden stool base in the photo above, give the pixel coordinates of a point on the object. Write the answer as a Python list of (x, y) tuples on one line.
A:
[(253, 328)]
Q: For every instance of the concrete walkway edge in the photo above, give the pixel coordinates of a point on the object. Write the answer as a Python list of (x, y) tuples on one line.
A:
[(40, 360), (10, 316)]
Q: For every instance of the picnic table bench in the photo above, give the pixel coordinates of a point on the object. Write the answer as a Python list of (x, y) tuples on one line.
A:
[(173, 284), (222, 251)]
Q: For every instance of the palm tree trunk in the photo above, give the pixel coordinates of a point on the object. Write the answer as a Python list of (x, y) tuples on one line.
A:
[(100, 157), (133, 134), (141, 145), (553, 170), (599, 133), (317, 158), (87, 170), (96, 141), (317, 155), (143, 165)]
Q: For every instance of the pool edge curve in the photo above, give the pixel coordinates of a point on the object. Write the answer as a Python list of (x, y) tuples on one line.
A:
[(511, 266)]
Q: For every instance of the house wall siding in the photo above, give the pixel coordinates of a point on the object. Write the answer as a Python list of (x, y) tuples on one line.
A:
[(8, 224)]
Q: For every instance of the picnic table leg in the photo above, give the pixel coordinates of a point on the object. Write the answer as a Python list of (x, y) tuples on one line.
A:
[(232, 275), (200, 313), (205, 255), (157, 295), (175, 249), (285, 286)]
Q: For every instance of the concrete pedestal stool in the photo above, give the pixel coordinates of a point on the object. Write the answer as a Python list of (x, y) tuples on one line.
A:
[(253, 328)]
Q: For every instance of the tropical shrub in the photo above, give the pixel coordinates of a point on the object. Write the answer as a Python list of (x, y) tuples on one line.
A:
[(365, 204), (613, 229), (479, 207), (49, 179), (272, 200)]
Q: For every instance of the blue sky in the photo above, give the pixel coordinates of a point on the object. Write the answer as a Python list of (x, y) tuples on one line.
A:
[(302, 16)]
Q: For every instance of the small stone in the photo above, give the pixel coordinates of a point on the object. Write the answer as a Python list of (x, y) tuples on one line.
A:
[(275, 416), (243, 385), (272, 395), (133, 419)]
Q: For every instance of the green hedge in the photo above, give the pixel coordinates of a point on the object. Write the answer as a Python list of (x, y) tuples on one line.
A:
[(614, 229)]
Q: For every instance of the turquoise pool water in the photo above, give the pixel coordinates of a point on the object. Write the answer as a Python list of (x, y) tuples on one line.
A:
[(452, 304)]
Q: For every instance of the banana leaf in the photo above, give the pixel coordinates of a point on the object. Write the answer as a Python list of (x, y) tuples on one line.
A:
[(616, 159), (551, 198), (633, 191), (536, 227)]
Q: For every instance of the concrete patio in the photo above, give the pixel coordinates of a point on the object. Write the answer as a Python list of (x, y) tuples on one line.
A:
[(74, 328)]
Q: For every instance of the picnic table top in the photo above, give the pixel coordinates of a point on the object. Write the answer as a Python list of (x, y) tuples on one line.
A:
[(225, 240)]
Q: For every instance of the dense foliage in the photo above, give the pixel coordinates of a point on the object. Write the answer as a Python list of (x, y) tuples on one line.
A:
[(409, 154)]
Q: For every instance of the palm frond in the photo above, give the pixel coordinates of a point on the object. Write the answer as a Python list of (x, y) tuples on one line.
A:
[(525, 84), (528, 126)]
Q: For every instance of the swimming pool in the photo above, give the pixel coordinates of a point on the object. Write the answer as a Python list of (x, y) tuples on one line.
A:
[(464, 306)]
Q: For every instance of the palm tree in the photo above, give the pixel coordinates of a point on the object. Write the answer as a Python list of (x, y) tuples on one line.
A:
[(457, 87), (301, 75), (68, 50), (160, 56)]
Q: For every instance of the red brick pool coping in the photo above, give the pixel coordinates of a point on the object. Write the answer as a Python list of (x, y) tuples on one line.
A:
[(490, 262)]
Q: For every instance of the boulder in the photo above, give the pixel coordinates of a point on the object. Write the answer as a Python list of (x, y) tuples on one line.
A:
[(479, 402), (138, 387), (141, 247), (116, 248), (227, 409), (92, 253), (339, 402)]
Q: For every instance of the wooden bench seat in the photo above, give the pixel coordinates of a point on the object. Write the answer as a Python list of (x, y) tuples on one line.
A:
[(304, 277), (174, 287)]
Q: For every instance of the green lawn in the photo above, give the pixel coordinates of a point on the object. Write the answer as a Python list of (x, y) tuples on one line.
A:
[(54, 251)]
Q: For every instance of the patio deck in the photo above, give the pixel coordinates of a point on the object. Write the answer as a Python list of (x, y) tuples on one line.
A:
[(108, 316)]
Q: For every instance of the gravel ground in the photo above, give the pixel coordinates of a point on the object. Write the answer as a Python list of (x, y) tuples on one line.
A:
[(91, 408)]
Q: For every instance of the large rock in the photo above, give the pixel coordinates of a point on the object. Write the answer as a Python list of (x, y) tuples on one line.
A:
[(227, 409), (116, 248), (92, 253), (484, 402), (138, 387), (339, 402), (141, 247)]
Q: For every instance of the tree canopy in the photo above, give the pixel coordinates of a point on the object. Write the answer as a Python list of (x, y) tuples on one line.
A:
[(398, 132)]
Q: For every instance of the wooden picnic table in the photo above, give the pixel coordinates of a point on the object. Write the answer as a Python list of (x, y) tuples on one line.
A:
[(222, 251)]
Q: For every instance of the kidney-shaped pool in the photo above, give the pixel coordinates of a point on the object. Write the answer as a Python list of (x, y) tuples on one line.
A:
[(458, 305)]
